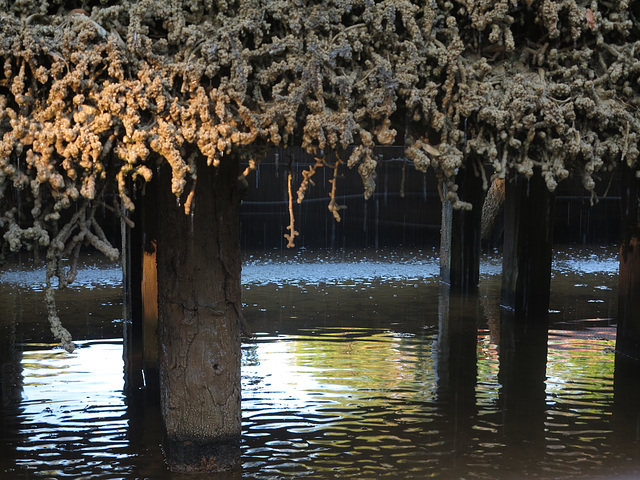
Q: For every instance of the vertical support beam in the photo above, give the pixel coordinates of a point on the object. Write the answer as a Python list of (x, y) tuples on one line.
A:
[(199, 302), (150, 315), (460, 235), (528, 232), (132, 330), (627, 366), (10, 366), (628, 338), (11, 388), (140, 285), (526, 280)]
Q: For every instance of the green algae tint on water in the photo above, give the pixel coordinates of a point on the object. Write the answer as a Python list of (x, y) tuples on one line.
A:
[(354, 371)]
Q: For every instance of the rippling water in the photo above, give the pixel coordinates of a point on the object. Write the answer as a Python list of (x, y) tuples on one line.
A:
[(357, 370)]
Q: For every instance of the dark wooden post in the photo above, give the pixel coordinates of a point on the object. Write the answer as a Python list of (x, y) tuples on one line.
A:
[(11, 385), (627, 367), (10, 366), (526, 280), (460, 235), (628, 338), (141, 299), (199, 301), (528, 228)]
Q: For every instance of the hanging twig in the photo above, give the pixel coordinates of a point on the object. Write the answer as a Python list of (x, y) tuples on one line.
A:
[(333, 205), (292, 231), (307, 174)]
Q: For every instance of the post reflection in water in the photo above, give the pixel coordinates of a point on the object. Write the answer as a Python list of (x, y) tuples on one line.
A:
[(523, 361), (11, 379), (456, 372), (365, 368)]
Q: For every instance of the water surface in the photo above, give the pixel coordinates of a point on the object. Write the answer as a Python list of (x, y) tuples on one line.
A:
[(362, 366)]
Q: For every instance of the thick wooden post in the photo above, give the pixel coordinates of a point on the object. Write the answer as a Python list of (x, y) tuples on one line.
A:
[(627, 367), (460, 236), (526, 279), (198, 260), (628, 338), (528, 228)]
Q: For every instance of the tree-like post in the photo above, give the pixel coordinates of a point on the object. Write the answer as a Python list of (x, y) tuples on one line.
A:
[(199, 317), (628, 338), (528, 232), (460, 235), (526, 280), (627, 366)]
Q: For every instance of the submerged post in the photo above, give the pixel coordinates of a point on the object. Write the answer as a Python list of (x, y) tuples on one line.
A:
[(526, 279), (528, 232), (198, 260), (460, 235), (627, 367), (628, 338)]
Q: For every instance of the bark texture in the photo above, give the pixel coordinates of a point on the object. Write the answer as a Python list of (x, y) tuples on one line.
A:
[(199, 299), (627, 372), (460, 236), (628, 338), (528, 240)]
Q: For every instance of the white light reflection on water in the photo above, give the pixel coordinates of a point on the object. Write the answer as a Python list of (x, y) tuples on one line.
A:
[(92, 271), (355, 267), (73, 410)]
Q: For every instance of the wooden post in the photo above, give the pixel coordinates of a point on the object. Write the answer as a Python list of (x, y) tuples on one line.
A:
[(628, 338), (528, 228), (526, 279), (627, 366), (141, 298), (198, 260), (460, 236), (10, 367), (150, 316)]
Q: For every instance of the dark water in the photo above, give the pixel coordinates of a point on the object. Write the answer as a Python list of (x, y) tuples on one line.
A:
[(362, 366)]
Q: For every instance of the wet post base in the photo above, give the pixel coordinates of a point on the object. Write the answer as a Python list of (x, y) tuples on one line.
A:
[(202, 456), (628, 335), (627, 367), (528, 232), (460, 236)]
